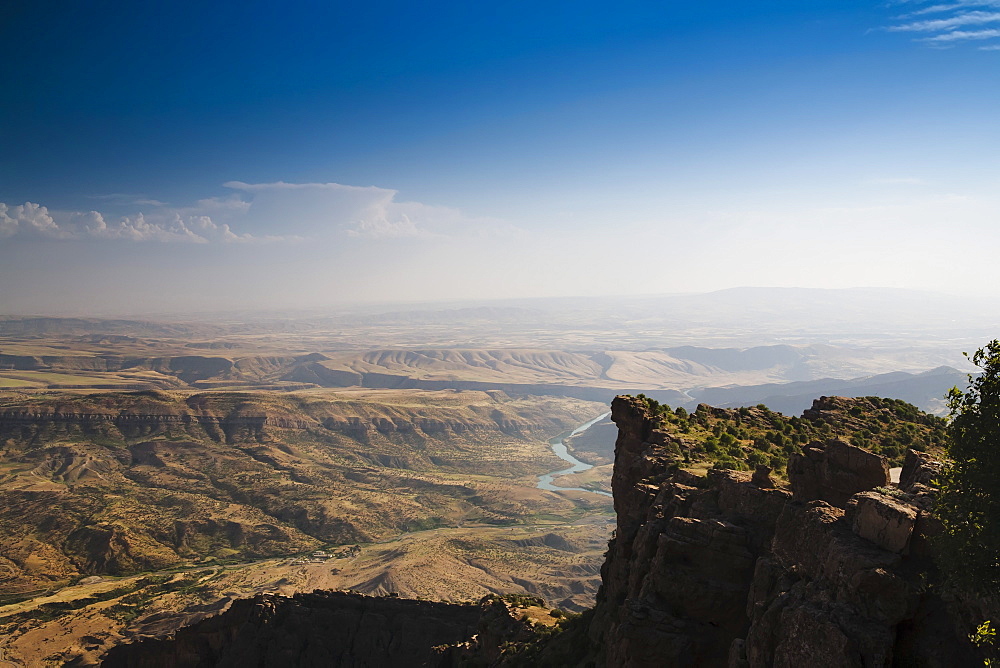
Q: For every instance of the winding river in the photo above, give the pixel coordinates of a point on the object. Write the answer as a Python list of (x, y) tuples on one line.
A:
[(559, 448)]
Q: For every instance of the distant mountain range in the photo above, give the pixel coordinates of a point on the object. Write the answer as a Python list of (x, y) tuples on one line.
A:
[(925, 390)]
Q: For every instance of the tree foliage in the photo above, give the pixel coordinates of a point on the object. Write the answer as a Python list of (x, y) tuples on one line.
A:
[(969, 501)]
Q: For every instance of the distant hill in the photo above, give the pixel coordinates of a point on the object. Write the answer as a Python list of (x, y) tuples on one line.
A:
[(735, 359), (924, 390), (15, 326)]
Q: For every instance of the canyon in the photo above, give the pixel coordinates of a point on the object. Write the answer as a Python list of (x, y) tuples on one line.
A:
[(726, 569), (160, 477)]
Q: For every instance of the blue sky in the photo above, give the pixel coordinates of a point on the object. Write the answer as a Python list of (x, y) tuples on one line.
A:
[(245, 154)]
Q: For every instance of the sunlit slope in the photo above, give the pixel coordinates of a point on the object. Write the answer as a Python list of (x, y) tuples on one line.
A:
[(529, 368), (662, 369), (117, 482), (524, 366), (680, 375)]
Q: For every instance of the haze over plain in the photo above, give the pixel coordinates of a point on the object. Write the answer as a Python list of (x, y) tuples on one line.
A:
[(191, 158)]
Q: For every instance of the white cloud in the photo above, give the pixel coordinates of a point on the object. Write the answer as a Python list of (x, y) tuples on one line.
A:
[(370, 212), (218, 204), (34, 220), (933, 9), (135, 228), (962, 35), (946, 6), (8, 224), (944, 29), (129, 198), (261, 212), (282, 185), (935, 25), (190, 229), (949, 7), (380, 227), (29, 219)]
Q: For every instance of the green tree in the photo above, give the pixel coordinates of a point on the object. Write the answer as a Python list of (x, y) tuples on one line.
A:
[(969, 501)]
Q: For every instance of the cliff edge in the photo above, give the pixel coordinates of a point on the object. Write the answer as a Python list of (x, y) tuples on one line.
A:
[(729, 570)]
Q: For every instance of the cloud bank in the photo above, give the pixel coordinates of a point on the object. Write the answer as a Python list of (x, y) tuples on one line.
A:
[(253, 213), (366, 245), (360, 212), (35, 221)]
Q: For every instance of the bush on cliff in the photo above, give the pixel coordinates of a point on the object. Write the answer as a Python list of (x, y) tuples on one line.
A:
[(969, 501)]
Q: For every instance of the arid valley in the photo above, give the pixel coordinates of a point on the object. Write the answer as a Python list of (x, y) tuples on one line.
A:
[(154, 471)]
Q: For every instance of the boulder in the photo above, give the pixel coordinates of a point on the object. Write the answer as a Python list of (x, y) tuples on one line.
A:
[(834, 471), (885, 521)]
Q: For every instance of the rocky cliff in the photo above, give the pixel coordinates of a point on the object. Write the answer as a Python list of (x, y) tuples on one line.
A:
[(730, 570)]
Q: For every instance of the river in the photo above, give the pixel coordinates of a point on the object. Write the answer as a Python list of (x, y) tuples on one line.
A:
[(559, 448)]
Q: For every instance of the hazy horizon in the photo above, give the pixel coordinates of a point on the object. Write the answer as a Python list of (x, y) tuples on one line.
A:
[(315, 157), (912, 302)]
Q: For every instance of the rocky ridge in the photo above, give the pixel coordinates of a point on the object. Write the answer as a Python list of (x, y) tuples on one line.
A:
[(728, 570)]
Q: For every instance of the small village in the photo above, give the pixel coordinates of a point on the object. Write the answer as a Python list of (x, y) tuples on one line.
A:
[(323, 556)]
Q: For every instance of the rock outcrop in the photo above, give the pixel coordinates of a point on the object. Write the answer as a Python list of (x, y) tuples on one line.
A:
[(834, 471), (318, 629), (728, 571), (337, 628)]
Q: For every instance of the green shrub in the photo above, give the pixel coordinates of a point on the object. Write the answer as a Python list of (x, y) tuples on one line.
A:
[(968, 503)]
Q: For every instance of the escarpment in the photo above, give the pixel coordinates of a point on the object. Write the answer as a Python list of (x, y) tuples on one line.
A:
[(727, 570)]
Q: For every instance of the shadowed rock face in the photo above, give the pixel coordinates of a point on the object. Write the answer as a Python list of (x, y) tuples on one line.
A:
[(318, 629), (834, 471), (726, 571)]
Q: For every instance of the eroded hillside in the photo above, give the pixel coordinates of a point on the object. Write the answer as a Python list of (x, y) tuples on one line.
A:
[(120, 482)]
